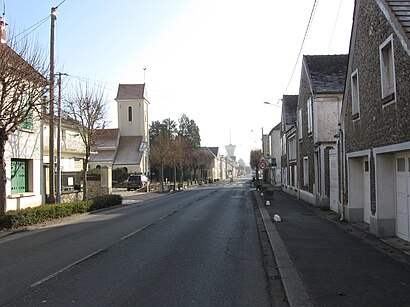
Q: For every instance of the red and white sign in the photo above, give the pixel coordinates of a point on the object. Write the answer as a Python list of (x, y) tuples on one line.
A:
[(262, 163)]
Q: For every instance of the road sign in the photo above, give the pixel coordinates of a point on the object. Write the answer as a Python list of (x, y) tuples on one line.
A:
[(262, 163)]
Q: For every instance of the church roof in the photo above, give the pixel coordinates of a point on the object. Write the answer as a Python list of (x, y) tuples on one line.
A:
[(130, 91), (128, 151)]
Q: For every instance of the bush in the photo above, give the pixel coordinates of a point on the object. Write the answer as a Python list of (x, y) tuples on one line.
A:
[(105, 201), (119, 175), (30, 216)]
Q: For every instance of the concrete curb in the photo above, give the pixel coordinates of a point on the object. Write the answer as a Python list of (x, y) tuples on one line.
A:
[(294, 288)]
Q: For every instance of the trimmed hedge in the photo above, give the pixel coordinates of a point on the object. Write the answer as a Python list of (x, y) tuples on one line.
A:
[(30, 216)]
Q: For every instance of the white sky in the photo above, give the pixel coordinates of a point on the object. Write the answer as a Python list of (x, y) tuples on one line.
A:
[(215, 60)]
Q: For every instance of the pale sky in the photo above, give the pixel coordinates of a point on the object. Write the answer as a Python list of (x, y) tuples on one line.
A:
[(215, 60)]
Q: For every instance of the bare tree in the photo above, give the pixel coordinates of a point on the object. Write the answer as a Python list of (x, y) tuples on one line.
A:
[(255, 156), (160, 152), (88, 107), (22, 86)]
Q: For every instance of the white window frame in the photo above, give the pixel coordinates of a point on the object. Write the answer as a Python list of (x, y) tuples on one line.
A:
[(354, 79), (310, 115), (387, 71), (300, 124), (306, 171)]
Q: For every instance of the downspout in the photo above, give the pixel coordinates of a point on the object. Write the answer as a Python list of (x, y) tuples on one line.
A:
[(342, 172)]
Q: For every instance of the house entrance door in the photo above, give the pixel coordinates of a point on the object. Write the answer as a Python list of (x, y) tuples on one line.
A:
[(334, 181), (403, 200), (366, 191)]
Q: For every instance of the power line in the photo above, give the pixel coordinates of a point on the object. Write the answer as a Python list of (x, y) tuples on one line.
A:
[(60, 4), (312, 13), (334, 26), (32, 28)]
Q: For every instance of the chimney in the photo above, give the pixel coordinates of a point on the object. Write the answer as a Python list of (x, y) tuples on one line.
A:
[(2, 31)]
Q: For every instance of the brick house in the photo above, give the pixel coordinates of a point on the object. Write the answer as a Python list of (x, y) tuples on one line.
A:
[(288, 143), (319, 103), (375, 125)]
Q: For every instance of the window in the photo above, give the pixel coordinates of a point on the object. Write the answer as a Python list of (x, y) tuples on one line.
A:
[(28, 121), (292, 148), (355, 94), (310, 115), (300, 123), (387, 70), (305, 171), (19, 176), (130, 114), (401, 164), (283, 144), (366, 166)]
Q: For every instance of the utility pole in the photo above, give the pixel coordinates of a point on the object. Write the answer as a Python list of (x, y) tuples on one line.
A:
[(58, 185), (51, 199)]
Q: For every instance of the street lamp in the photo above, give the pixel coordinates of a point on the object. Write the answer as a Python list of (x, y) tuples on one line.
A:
[(275, 105)]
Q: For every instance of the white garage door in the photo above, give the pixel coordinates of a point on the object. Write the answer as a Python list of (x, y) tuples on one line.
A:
[(403, 191), (334, 181)]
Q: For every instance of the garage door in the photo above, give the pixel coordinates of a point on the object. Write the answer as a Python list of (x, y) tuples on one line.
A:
[(334, 181), (403, 191)]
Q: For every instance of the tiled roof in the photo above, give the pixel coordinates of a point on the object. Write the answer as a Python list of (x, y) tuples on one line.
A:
[(103, 156), (401, 10), (130, 91), (327, 73), (214, 150), (128, 152), (289, 106), (106, 138)]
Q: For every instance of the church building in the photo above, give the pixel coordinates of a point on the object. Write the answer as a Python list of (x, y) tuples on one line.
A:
[(126, 146)]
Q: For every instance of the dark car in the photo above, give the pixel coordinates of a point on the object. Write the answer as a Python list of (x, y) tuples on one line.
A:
[(136, 182)]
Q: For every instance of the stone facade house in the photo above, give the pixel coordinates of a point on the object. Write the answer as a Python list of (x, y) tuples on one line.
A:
[(126, 146), (375, 125), (288, 143), (319, 103), (274, 159)]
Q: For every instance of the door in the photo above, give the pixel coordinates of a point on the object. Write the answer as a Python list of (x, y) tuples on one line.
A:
[(402, 201), (334, 181), (366, 191)]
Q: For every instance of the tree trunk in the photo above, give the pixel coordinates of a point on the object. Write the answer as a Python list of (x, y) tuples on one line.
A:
[(175, 176), (162, 176), (3, 179)]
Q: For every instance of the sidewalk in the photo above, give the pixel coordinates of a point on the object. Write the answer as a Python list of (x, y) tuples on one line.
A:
[(339, 264)]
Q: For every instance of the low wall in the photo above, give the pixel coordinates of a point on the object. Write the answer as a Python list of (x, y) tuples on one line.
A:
[(71, 197)]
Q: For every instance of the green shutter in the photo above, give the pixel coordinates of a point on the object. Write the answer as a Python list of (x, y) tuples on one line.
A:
[(28, 122), (18, 176)]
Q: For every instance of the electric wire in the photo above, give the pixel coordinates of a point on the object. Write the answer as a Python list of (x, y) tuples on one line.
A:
[(334, 26), (60, 4), (312, 13)]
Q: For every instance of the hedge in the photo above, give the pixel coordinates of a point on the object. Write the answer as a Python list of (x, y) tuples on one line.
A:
[(30, 216)]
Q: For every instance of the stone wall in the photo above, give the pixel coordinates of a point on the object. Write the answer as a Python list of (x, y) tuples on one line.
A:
[(378, 125), (99, 183)]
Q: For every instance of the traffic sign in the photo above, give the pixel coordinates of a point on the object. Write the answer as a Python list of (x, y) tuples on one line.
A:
[(262, 163)]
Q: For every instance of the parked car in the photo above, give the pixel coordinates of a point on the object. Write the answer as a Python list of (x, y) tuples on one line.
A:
[(136, 182)]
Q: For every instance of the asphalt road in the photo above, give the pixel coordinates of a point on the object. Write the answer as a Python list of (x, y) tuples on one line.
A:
[(192, 248)]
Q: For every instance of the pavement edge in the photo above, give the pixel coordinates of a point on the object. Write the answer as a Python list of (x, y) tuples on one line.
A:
[(294, 288)]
